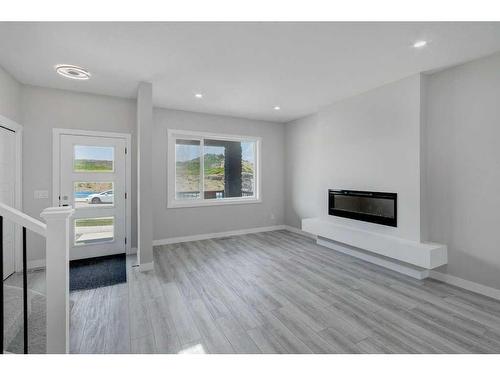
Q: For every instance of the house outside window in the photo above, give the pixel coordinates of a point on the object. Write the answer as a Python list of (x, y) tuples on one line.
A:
[(211, 169)]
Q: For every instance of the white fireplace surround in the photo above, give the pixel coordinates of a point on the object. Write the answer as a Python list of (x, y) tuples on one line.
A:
[(410, 257)]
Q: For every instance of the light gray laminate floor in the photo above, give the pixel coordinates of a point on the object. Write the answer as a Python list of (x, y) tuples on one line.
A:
[(277, 292)]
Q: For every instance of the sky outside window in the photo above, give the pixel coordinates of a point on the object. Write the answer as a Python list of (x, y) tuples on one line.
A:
[(93, 153)]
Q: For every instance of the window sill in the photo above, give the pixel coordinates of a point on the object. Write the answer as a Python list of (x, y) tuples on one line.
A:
[(206, 203)]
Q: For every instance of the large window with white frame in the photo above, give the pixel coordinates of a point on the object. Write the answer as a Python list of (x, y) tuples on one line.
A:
[(211, 169)]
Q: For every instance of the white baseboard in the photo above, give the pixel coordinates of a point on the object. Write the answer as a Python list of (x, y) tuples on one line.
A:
[(36, 264), (207, 236), (408, 270), (466, 284), (143, 267), (300, 231)]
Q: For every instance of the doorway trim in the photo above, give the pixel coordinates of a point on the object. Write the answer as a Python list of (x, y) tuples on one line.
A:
[(56, 178), (18, 201)]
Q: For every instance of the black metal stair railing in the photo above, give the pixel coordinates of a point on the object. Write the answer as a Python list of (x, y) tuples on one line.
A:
[(25, 293)]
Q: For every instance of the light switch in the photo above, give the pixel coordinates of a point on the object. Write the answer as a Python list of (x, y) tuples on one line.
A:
[(41, 194)]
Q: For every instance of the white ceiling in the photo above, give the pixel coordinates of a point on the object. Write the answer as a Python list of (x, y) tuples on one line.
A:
[(243, 69)]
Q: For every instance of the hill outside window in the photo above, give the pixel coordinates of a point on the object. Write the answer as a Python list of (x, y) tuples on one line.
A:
[(212, 169)]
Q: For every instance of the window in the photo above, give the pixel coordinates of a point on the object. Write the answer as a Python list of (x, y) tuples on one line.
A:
[(90, 231), (209, 169), (93, 194), (93, 159)]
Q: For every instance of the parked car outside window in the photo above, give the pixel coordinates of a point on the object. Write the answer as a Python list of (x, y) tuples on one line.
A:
[(98, 198)]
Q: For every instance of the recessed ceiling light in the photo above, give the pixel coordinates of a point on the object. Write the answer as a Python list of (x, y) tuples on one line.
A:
[(72, 71), (420, 44), (277, 108), (199, 96)]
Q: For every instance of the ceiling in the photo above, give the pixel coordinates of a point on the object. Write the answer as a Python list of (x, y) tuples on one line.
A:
[(242, 69)]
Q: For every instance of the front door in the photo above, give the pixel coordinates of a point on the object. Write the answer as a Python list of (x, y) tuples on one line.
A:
[(93, 181), (7, 196)]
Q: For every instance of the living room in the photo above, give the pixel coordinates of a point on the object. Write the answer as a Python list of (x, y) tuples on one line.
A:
[(250, 187)]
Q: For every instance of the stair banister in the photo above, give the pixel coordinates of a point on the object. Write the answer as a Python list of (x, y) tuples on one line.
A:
[(57, 276), (20, 218), (56, 232)]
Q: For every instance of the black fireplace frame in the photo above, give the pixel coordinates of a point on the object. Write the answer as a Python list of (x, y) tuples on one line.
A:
[(383, 220)]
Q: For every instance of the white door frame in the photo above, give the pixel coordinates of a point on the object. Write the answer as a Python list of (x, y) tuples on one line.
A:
[(56, 178), (18, 201)]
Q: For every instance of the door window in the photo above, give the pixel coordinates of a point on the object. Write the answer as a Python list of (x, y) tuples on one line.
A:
[(93, 159), (93, 194), (90, 231)]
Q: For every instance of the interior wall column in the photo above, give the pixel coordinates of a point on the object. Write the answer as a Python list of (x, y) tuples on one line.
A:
[(145, 176)]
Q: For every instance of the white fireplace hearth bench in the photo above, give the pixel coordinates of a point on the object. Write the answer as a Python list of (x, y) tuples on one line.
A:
[(411, 258)]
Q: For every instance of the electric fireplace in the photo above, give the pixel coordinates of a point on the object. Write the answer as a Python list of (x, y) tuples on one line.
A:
[(370, 206)]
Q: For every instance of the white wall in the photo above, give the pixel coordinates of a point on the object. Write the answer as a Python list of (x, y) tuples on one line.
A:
[(463, 168), (145, 175), (303, 155), (44, 109), (10, 96), (367, 142), (175, 222)]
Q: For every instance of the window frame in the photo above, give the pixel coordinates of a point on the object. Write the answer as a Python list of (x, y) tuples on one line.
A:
[(173, 135)]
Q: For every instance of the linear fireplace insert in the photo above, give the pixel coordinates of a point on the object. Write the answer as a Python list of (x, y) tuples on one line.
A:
[(371, 206)]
